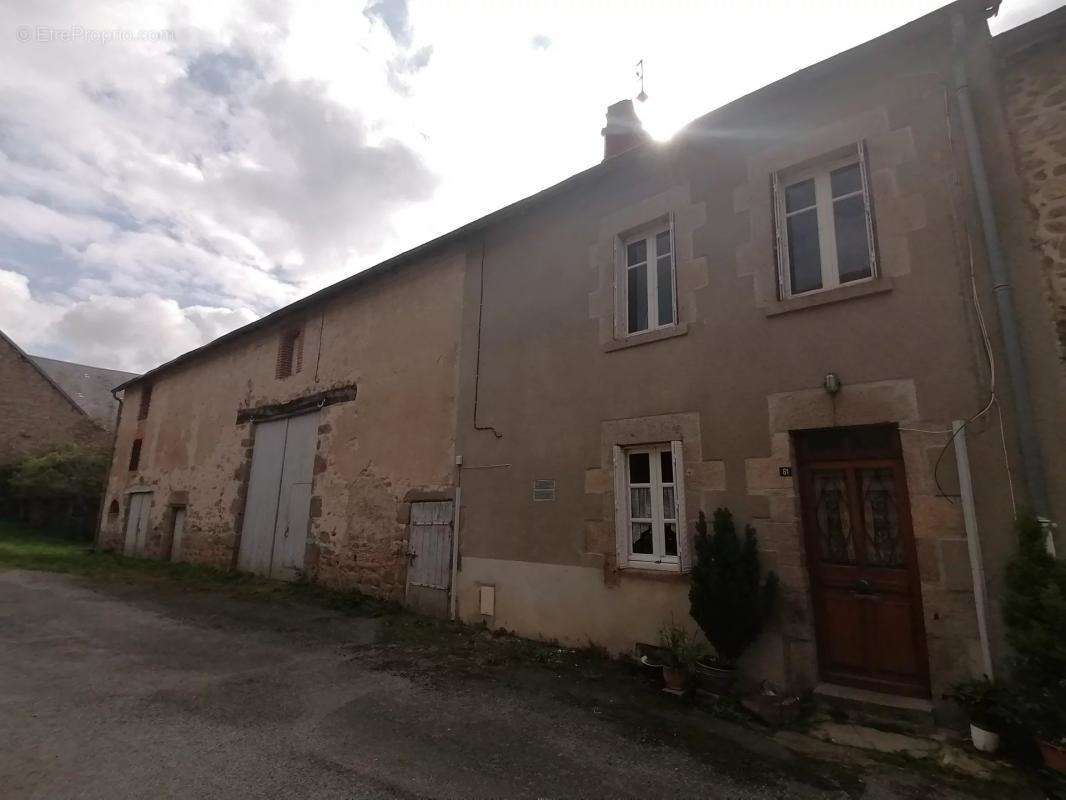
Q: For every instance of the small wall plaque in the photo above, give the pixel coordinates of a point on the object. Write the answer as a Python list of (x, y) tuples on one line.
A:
[(786, 472), (544, 489)]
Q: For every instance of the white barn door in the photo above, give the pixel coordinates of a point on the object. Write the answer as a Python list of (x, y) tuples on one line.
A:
[(429, 554), (294, 499), (278, 504), (137, 524), (261, 503)]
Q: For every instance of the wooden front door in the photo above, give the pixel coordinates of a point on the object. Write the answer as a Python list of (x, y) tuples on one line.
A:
[(862, 561)]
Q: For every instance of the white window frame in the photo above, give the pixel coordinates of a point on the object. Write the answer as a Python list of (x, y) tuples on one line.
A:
[(658, 559), (649, 234), (824, 204)]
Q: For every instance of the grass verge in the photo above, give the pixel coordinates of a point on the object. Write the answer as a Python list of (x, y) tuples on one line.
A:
[(22, 548)]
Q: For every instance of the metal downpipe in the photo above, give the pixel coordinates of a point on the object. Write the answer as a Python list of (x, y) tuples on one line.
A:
[(1029, 441)]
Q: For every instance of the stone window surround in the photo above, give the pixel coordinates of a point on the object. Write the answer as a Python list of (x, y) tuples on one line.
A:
[(699, 477), (607, 302), (896, 215), (938, 533)]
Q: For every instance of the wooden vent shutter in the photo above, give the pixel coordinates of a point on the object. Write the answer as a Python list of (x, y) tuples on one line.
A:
[(146, 401), (290, 354), (135, 455)]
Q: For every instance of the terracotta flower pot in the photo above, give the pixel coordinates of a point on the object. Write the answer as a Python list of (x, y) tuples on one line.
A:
[(1054, 755), (674, 678)]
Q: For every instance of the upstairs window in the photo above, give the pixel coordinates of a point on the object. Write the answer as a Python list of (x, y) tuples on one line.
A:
[(135, 455), (146, 401), (825, 232), (290, 354), (649, 281)]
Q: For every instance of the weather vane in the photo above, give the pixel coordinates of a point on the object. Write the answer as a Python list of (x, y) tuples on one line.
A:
[(640, 74)]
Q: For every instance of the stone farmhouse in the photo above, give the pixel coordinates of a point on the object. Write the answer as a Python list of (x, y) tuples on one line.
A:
[(790, 309)]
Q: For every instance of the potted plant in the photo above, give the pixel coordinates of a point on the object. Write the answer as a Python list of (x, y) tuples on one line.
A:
[(1034, 610), (990, 708), (728, 598), (678, 651)]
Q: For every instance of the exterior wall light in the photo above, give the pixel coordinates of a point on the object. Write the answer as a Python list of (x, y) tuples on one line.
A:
[(832, 383)]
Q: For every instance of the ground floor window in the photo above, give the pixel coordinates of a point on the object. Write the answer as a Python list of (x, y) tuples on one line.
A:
[(650, 510)]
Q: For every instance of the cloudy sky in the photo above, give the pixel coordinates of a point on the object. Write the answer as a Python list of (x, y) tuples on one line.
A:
[(170, 171)]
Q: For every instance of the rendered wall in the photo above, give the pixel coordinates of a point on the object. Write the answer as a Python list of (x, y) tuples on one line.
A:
[(553, 375)]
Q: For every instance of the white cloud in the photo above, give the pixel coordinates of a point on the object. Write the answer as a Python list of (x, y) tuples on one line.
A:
[(116, 330), (24, 318), (24, 219), (195, 177), (132, 332)]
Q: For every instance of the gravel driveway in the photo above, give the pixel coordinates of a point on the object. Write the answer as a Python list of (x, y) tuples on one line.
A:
[(120, 692)]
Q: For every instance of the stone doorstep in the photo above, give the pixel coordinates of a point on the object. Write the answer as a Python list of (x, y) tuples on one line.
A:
[(876, 709), (866, 738), (892, 724), (946, 755)]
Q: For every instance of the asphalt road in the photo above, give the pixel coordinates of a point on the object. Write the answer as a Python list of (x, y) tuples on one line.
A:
[(119, 694)]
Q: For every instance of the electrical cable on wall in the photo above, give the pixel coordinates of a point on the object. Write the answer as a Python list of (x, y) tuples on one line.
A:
[(477, 350), (986, 340)]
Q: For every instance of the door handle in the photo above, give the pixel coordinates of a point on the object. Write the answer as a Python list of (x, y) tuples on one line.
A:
[(864, 589)]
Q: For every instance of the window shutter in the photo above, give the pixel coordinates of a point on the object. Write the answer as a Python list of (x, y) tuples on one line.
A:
[(673, 269), (682, 522), (621, 509), (621, 299), (778, 245), (868, 197)]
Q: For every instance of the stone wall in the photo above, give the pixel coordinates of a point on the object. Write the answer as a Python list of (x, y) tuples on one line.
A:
[(36, 415), (393, 344), (1034, 88)]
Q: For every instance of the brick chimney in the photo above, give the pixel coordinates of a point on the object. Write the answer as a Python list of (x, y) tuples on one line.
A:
[(623, 131)]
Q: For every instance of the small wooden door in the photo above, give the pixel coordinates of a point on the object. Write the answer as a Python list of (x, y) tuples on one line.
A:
[(278, 505), (861, 556), (137, 524), (429, 553)]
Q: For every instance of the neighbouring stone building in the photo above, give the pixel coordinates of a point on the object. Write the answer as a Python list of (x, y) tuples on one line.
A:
[(44, 403), (1033, 63), (780, 311)]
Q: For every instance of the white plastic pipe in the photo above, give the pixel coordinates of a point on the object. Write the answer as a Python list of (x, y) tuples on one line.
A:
[(973, 542), (454, 589)]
